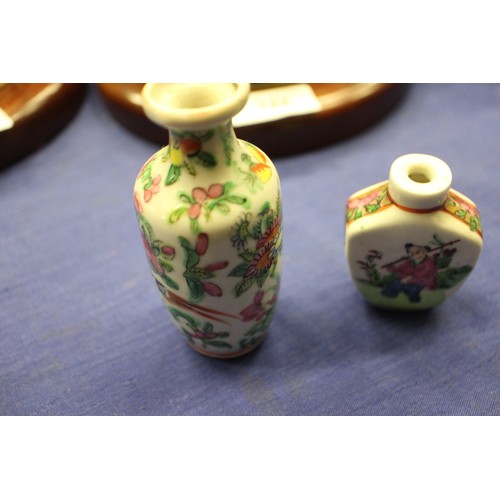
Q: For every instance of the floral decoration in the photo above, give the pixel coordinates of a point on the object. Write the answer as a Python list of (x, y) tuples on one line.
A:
[(260, 259), (160, 255), (215, 197), (198, 277), (150, 184), (464, 210), (186, 152), (373, 201), (259, 172), (368, 203), (194, 330), (260, 311)]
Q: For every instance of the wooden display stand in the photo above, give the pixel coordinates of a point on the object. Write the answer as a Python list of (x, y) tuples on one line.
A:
[(32, 113), (343, 109)]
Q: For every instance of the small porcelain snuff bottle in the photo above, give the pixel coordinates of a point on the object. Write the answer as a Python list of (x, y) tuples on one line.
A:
[(412, 241), (209, 211)]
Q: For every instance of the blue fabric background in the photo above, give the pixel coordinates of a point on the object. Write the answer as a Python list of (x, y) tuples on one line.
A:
[(83, 331)]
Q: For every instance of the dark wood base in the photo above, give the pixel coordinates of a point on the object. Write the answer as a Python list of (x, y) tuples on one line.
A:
[(38, 111), (346, 109)]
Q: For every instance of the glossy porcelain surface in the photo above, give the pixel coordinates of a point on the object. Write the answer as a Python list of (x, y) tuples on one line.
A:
[(209, 211), (412, 241)]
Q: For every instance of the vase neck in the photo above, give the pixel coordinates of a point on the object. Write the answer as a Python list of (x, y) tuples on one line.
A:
[(213, 147)]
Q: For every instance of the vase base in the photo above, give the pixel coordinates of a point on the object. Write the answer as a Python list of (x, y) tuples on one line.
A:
[(229, 355)]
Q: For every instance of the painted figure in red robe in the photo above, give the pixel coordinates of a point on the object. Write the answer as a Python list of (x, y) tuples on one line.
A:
[(413, 274)]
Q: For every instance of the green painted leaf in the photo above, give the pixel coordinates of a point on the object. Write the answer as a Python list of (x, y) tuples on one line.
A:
[(206, 159), (222, 208), (190, 168), (185, 243), (450, 277), (176, 314), (206, 136), (247, 158), (239, 200), (177, 214), (165, 264), (147, 229), (170, 282), (146, 174), (265, 208), (247, 255), (243, 286), (269, 219), (174, 173), (239, 271), (261, 279), (201, 273), (186, 198), (192, 258), (218, 343), (257, 229), (372, 208), (195, 287), (437, 239), (208, 327), (255, 329), (195, 226)]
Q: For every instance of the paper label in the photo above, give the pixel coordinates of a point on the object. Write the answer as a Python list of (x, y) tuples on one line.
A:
[(6, 121), (277, 103)]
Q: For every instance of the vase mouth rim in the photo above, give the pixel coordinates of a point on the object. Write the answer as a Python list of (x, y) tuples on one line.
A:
[(193, 106), (419, 181)]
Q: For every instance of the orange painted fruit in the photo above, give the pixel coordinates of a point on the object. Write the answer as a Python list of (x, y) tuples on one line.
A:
[(262, 171)]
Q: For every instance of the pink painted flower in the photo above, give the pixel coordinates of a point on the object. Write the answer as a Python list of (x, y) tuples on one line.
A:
[(212, 289), (254, 311), (194, 211), (468, 208), (150, 254), (216, 266), (154, 188), (197, 334), (201, 244), (168, 251), (200, 196), (362, 202), (137, 203), (215, 191)]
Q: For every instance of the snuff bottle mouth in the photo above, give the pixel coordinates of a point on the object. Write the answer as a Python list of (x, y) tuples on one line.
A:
[(193, 106), (419, 181)]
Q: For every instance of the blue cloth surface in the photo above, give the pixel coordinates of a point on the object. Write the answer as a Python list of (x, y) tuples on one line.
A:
[(83, 330)]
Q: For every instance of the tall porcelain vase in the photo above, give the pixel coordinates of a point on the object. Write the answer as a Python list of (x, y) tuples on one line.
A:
[(210, 216), (412, 241)]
